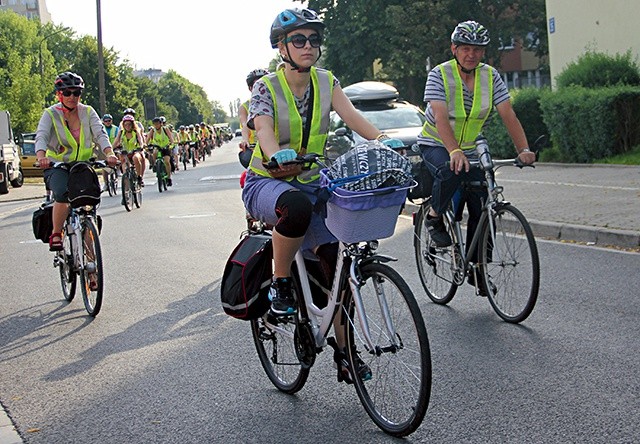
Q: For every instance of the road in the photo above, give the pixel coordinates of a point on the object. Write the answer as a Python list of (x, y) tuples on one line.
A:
[(162, 363)]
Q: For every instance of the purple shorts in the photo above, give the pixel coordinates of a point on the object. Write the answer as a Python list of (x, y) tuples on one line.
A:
[(260, 195)]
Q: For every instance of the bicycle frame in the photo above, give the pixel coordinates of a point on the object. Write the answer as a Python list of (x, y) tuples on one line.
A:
[(321, 319)]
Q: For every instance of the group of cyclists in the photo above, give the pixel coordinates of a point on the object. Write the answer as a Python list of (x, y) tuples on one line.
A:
[(133, 144)]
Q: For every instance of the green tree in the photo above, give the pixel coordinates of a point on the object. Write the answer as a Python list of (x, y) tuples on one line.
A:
[(21, 91), (189, 99)]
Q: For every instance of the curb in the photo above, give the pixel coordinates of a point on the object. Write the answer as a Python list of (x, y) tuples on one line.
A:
[(8, 432), (603, 237)]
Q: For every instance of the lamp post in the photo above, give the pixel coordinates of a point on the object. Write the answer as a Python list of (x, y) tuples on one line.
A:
[(40, 59), (103, 100)]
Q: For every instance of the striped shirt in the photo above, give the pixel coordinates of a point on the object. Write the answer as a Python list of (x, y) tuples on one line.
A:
[(434, 90)]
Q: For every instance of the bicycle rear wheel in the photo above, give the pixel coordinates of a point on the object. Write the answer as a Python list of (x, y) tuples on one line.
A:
[(68, 276), (274, 341), (137, 194), (396, 397), (436, 266), (92, 259), (127, 192), (510, 266)]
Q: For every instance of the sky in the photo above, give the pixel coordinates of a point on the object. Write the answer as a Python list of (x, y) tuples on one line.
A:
[(212, 43)]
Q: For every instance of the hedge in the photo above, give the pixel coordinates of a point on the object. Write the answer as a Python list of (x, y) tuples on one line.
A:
[(526, 103), (590, 124)]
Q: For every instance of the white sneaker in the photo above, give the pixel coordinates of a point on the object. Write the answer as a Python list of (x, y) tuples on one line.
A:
[(105, 187)]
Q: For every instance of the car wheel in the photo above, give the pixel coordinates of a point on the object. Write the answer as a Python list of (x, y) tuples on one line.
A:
[(18, 181)]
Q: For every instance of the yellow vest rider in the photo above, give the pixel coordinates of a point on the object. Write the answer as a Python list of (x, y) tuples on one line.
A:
[(288, 125), (466, 127)]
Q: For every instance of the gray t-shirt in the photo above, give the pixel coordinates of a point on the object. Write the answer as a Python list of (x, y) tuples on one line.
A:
[(434, 90)]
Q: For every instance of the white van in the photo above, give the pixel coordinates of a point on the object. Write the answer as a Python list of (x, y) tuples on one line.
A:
[(10, 170)]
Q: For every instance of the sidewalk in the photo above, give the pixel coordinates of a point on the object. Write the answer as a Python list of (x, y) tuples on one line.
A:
[(594, 204)]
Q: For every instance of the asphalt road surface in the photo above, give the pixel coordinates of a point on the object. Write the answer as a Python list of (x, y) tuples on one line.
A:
[(162, 363)]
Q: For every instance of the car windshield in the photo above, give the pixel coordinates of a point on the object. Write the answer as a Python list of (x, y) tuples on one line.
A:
[(393, 118), (28, 148)]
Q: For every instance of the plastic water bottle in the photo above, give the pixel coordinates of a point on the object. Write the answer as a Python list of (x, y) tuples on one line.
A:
[(482, 149)]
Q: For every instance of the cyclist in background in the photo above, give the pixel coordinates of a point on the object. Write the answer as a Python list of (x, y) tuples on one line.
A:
[(175, 162), (131, 140), (183, 140), (193, 137), (66, 133), (112, 133), (248, 135), (161, 136), (460, 95), (140, 127)]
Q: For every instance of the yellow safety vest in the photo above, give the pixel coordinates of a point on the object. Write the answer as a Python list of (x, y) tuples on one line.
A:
[(183, 136), (466, 127), (112, 132), (160, 138), (69, 150), (252, 133), (129, 144), (288, 122)]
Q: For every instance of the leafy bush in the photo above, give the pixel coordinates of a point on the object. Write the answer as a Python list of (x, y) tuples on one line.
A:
[(526, 103), (594, 70), (589, 124)]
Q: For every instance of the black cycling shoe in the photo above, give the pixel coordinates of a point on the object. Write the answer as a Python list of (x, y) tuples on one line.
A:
[(437, 231), (344, 370), (282, 303), (169, 183)]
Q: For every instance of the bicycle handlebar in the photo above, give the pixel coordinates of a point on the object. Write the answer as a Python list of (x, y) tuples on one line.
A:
[(475, 163), (300, 160)]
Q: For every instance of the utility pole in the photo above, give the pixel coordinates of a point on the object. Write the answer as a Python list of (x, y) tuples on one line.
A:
[(103, 99)]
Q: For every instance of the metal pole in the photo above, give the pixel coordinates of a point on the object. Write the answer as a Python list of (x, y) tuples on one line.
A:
[(103, 100)]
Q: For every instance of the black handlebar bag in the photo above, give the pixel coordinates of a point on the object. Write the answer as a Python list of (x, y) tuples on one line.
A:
[(83, 186)]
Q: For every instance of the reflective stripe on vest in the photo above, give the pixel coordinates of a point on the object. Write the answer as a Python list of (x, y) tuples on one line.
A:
[(69, 151), (288, 122), (465, 127)]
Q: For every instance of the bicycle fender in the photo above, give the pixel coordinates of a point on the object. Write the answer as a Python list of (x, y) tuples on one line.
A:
[(379, 258)]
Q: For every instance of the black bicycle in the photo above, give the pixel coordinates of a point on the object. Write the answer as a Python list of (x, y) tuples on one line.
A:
[(160, 168), (131, 188)]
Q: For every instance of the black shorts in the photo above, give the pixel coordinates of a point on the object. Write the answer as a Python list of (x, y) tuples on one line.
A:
[(56, 180)]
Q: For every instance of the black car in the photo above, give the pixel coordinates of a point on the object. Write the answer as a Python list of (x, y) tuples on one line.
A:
[(379, 103)]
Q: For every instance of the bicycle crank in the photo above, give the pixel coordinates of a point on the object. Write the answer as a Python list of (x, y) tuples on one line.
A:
[(305, 344)]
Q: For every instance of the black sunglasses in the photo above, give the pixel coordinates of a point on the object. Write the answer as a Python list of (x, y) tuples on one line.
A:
[(299, 40), (75, 92)]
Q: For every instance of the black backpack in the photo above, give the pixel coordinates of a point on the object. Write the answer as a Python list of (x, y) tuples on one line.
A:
[(422, 176), (42, 222), (244, 291), (83, 187)]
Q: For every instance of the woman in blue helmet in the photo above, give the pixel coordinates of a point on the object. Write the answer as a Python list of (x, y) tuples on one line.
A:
[(290, 113)]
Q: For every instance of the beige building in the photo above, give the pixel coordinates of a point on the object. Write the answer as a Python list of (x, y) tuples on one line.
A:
[(32, 9), (575, 26)]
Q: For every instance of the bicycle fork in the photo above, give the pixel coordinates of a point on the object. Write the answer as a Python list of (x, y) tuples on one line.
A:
[(355, 284)]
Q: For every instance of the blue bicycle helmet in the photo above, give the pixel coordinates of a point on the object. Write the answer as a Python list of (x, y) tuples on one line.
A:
[(291, 19)]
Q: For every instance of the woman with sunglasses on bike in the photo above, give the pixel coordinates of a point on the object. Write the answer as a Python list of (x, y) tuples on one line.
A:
[(66, 133), (131, 141), (289, 111)]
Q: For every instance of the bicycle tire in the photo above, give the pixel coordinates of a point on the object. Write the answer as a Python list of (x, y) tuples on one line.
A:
[(137, 195), (160, 173), (436, 266), (90, 240), (127, 192), (276, 349), (68, 276), (396, 397), (510, 266)]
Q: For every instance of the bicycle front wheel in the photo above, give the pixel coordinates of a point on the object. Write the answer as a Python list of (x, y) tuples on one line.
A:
[(91, 277), (127, 192), (137, 194), (510, 266), (436, 266), (274, 341), (396, 393)]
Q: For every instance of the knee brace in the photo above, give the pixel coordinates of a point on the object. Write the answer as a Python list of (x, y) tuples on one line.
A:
[(294, 210)]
